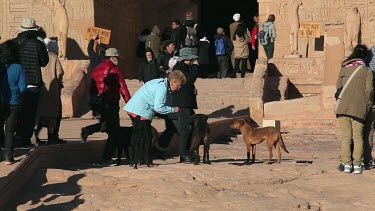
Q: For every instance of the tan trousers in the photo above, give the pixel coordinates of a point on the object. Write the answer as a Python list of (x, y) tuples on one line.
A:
[(351, 129)]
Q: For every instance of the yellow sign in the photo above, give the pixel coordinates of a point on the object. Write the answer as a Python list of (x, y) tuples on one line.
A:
[(104, 34), (309, 29)]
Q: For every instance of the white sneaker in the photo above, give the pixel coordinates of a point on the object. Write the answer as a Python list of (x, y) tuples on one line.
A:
[(348, 168), (358, 169)]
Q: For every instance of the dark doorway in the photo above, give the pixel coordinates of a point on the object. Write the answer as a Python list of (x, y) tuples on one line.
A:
[(219, 13), (215, 13)]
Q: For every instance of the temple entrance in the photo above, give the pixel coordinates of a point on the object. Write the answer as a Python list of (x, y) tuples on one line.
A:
[(220, 14)]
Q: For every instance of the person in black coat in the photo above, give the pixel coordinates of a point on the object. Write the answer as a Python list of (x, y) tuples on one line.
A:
[(186, 99), (33, 56), (165, 56), (149, 68), (95, 57), (204, 60)]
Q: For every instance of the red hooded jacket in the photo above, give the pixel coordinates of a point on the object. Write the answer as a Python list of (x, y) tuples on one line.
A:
[(107, 78), (254, 35)]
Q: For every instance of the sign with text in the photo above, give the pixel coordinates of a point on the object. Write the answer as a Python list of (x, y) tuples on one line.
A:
[(104, 34), (309, 29)]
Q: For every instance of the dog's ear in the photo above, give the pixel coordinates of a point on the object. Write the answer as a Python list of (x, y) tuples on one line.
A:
[(242, 121), (205, 116)]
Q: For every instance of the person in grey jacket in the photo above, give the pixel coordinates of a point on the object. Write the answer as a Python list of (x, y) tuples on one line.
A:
[(352, 107), (270, 47)]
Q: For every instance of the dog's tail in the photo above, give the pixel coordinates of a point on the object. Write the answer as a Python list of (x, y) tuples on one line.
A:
[(155, 140), (282, 143)]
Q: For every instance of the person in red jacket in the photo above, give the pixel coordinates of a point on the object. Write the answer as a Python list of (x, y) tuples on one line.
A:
[(254, 42), (107, 80)]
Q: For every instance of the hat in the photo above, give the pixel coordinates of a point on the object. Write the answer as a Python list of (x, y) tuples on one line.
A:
[(220, 30), (186, 54), (189, 16), (28, 24), (112, 52), (236, 17)]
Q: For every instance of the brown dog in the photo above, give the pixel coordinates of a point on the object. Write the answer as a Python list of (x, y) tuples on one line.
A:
[(201, 131), (253, 136)]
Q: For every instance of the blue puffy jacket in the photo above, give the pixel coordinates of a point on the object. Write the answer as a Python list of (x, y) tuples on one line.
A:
[(12, 84)]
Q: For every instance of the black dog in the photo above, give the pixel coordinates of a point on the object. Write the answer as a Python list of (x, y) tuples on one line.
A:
[(201, 131), (125, 140)]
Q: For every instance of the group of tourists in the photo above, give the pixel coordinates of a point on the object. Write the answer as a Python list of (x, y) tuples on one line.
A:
[(31, 82)]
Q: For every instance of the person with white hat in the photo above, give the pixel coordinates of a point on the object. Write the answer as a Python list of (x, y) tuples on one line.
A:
[(107, 84), (33, 56)]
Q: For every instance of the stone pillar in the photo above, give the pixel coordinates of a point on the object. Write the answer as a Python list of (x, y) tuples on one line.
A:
[(257, 93), (334, 55)]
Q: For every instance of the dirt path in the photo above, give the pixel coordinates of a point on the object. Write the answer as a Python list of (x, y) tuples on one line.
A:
[(306, 179)]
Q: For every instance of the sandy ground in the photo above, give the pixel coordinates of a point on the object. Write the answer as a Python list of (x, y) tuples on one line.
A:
[(306, 179)]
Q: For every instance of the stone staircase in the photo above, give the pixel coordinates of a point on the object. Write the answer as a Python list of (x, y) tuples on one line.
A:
[(216, 97)]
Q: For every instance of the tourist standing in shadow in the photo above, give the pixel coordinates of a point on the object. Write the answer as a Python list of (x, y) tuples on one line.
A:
[(254, 42), (223, 52), (176, 34), (49, 112), (153, 41), (148, 70), (33, 56), (12, 86), (165, 56), (241, 49)]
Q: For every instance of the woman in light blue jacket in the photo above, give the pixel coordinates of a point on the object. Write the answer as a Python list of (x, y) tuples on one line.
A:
[(149, 100)]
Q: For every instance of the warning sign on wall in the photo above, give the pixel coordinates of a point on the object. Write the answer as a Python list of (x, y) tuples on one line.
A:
[(309, 29), (104, 34)]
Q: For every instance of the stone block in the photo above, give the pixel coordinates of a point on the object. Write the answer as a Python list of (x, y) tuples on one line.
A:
[(271, 123)]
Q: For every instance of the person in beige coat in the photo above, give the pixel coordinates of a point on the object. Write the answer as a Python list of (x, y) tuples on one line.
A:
[(352, 107), (153, 41), (241, 49), (49, 106)]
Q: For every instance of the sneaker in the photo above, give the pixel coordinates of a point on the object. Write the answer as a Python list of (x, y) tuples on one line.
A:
[(9, 160), (108, 161), (358, 169), (367, 166), (84, 134), (348, 168), (341, 167)]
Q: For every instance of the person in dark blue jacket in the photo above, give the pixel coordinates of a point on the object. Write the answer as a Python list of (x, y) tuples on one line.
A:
[(95, 57), (12, 85)]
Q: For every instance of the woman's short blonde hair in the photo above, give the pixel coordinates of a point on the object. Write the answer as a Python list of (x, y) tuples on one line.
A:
[(177, 76)]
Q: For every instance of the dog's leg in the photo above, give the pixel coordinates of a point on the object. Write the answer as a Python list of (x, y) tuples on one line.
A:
[(119, 150), (269, 154), (148, 156), (197, 157), (207, 149), (248, 153), (253, 152), (278, 152)]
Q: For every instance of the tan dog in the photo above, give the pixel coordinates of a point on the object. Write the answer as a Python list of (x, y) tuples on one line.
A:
[(253, 136)]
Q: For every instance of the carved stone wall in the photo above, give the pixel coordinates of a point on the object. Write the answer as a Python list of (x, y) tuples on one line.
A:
[(126, 18), (323, 11)]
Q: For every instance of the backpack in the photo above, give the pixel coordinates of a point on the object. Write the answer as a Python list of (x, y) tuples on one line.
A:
[(191, 39), (263, 36), (220, 46)]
